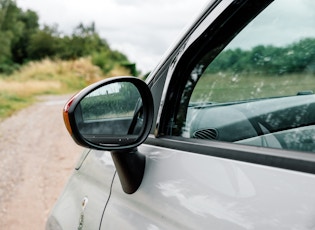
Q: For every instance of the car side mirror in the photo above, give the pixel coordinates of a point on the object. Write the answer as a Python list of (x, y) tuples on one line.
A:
[(112, 114)]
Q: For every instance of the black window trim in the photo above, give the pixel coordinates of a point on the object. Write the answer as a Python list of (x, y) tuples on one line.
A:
[(217, 33)]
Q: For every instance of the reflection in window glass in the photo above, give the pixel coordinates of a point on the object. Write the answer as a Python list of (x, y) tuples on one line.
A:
[(273, 56), (259, 89)]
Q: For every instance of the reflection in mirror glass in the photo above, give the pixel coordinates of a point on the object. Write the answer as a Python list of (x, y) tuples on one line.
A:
[(107, 112), (110, 101)]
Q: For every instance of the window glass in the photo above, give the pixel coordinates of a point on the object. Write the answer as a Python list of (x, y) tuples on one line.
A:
[(260, 89)]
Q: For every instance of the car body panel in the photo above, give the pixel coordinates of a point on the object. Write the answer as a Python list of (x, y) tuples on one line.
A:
[(89, 186), (182, 190)]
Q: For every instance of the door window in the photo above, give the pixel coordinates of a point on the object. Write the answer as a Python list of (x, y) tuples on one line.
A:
[(260, 89)]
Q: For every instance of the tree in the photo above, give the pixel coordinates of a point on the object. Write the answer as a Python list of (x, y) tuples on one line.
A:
[(82, 42), (10, 31), (16, 27), (43, 43), (269, 60), (22, 40), (107, 59), (30, 27)]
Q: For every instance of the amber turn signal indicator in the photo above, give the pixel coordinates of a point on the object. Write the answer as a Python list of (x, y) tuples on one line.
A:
[(66, 115)]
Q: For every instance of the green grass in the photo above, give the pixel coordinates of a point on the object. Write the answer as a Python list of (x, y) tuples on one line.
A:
[(10, 102), (20, 89), (225, 87)]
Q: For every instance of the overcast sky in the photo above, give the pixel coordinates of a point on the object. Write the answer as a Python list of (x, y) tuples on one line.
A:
[(143, 30), (282, 23)]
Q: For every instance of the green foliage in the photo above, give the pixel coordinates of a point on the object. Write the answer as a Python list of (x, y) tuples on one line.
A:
[(10, 102), (294, 58), (42, 44), (107, 59), (227, 86), (132, 68), (16, 27), (29, 20), (83, 42), (9, 31), (22, 40), (21, 88), (108, 104)]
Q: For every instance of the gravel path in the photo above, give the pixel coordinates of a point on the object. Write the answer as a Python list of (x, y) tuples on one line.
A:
[(37, 156)]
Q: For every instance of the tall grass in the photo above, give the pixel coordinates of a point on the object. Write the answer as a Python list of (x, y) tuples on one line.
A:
[(226, 87), (20, 89)]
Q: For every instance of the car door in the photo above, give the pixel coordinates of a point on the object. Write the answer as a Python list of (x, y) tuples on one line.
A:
[(84, 197), (227, 152)]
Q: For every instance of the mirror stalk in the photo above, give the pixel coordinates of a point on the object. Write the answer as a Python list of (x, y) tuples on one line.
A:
[(130, 165)]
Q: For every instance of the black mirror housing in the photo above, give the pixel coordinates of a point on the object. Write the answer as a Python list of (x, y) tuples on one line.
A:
[(112, 114)]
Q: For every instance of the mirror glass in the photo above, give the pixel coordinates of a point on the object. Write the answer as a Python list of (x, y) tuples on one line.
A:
[(109, 114)]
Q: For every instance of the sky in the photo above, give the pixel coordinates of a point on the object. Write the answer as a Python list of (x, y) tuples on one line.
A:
[(143, 30), (282, 23)]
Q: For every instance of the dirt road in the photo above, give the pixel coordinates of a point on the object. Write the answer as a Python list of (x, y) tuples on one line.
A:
[(36, 158)]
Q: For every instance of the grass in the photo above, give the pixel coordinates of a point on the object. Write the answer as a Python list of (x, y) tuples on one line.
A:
[(16, 95), (226, 87), (21, 89)]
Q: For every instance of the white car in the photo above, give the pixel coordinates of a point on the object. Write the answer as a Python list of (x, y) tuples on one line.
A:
[(221, 135)]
